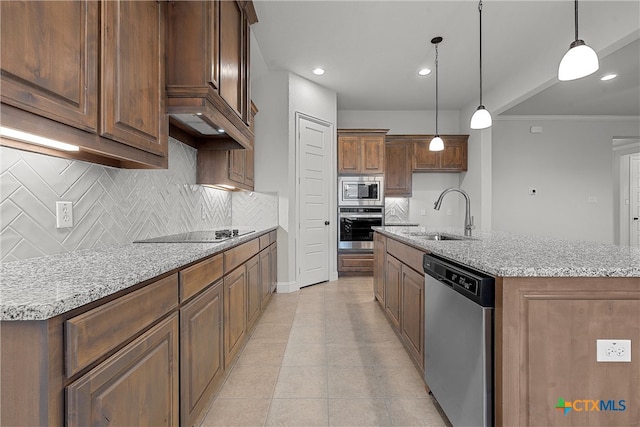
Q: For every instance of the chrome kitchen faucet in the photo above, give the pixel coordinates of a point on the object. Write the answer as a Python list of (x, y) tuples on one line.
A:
[(468, 219)]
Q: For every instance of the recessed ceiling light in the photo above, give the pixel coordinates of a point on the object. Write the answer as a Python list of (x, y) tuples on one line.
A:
[(424, 72), (608, 77), (318, 71)]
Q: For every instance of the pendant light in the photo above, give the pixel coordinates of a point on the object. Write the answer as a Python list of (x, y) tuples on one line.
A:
[(436, 144), (580, 60), (481, 119)]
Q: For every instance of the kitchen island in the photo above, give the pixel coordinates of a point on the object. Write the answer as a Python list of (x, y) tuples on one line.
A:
[(135, 334), (553, 299)]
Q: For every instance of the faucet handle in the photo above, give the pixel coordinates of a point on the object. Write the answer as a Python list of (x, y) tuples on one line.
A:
[(473, 227)]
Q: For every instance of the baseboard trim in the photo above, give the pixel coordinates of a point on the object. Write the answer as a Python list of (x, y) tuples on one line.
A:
[(287, 287)]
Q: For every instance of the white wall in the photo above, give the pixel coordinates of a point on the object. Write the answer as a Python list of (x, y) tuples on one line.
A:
[(400, 122), (571, 160), (278, 96)]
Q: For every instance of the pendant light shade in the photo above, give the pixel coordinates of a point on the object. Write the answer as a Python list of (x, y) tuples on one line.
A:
[(436, 144), (580, 60), (481, 119)]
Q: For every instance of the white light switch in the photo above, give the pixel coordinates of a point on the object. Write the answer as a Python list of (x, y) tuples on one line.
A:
[(423, 212), (64, 214), (592, 199)]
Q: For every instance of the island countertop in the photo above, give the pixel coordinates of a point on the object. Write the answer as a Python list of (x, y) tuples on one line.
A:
[(43, 287), (514, 255)]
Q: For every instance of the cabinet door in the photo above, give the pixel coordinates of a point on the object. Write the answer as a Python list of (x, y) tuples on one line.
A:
[(254, 295), (412, 313), (237, 161), (348, 154), (274, 266), (397, 169), (50, 59), (231, 55), (372, 154), (235, 309), (133, 107), (265, 277), (136, 386), (249, 168), (423, 159), (379, 254), (454, 156), (393, 275), (201, 351)]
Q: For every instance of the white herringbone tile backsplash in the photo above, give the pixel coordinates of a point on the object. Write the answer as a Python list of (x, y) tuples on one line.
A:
[(110, 206)]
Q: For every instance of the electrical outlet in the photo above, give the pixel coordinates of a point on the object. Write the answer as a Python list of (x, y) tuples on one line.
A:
[(613, 350), (533, 191), (592, 199), (64, 214), (449, 212)]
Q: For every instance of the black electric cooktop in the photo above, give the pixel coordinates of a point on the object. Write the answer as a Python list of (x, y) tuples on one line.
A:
[(205, 236)]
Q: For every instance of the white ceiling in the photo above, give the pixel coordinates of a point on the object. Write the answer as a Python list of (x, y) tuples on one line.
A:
[(373, 49)]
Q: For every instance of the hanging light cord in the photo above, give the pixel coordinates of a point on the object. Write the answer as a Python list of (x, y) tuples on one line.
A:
[(437, 89), (480, 10), (576, 18)]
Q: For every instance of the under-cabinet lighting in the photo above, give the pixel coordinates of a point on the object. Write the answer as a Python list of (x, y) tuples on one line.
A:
[(608, 77), (318, 71), (36, 139), (221, 130), (424, 72)]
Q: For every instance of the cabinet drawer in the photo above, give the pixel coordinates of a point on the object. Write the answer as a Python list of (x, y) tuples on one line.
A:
[(409, 255), (273, 236), (355, 262), (264, 241), (238, 255), (94, 333), (199, 276)]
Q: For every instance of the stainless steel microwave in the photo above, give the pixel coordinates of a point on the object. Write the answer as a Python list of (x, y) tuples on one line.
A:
[(361, 190)]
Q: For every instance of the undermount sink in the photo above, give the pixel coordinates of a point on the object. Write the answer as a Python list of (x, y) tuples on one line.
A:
[(435, 236)]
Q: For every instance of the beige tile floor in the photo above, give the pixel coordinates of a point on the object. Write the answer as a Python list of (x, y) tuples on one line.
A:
[(324, 356)]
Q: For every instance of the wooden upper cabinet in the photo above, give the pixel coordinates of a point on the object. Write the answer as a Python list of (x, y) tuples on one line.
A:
[(50, 59), (452, 159), (91, 74), (232, 51), (361, 151), (208, 71), (133, 107), (398, 178)]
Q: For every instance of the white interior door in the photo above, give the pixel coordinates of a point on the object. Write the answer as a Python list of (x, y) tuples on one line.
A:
[(314, 183), (634, 189)]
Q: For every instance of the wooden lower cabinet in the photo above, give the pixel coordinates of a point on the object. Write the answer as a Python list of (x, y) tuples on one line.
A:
[(393, 274), (254, 294), (265, 276), (355, 262), (201, 351), (412, 313), (274, 266), (379, 255), (235, 313), (138, 385)]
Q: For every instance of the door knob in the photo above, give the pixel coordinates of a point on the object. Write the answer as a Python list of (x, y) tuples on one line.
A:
[(327, 222)]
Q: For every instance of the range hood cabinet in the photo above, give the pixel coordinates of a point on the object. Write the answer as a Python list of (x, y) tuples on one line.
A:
[(208, 72)]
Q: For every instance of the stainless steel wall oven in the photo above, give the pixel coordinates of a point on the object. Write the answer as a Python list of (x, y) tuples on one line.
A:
[(354, 231)]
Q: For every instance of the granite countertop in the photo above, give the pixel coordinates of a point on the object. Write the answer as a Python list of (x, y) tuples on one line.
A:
[(44, 287), (514, 255)]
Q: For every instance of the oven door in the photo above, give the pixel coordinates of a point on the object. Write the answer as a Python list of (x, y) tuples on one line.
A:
[(355, 231)]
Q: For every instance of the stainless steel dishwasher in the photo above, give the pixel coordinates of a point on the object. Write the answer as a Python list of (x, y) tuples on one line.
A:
[(458, 344)]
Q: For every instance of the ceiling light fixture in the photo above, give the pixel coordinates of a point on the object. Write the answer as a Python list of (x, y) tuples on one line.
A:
[(580, 60), (608, 77), (481, 119), (318, 71), (436, 144), (36, 139), (424, 72)]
